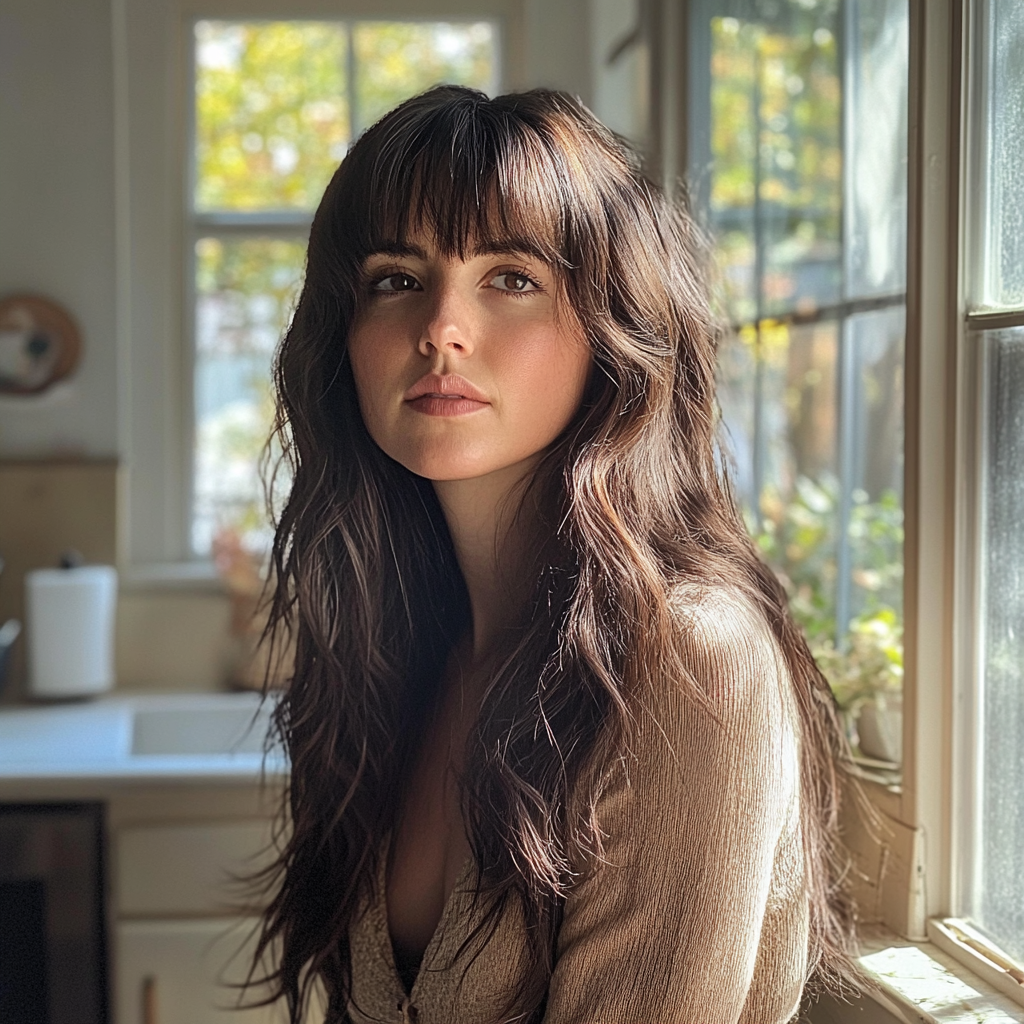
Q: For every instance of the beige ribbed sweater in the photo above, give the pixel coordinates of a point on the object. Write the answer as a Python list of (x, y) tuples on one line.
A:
[(699, 915)]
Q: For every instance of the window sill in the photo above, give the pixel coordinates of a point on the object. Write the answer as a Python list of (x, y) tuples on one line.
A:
[(920, 983), (198, 576)]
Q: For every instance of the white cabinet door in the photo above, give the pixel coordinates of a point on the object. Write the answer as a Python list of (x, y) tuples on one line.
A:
[(181, 972)]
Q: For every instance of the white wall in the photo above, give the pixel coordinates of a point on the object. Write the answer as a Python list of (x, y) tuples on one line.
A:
[(618, 87), (57, 209)]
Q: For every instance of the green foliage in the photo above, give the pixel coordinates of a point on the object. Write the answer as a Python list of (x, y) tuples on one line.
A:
[(273, 111), (869, 664), (272, 119), (798, 538), (397, 59), (775, 129)]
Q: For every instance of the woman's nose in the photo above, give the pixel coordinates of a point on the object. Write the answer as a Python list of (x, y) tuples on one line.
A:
[(449, 328)]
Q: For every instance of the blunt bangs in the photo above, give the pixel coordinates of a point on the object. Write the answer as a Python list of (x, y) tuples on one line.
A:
[(476, 174)]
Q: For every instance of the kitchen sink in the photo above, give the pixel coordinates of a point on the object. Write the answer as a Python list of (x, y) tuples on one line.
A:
[(142, 736)]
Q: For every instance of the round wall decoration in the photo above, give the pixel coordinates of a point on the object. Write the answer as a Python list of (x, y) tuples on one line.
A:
[(40, 344)]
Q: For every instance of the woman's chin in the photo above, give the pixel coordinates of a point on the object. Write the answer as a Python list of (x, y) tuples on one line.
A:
[(450, 465), (447, 465)]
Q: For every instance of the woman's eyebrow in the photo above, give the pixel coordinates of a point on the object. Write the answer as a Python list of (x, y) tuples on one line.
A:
[(398, 250), (509, 247)]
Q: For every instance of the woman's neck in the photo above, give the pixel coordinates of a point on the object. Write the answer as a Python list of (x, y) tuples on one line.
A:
[(492, 535)]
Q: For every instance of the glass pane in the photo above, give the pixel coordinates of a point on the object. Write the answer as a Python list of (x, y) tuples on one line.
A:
[(777, 390), (999, 904), (737, 383), (246, 289), (1003, 165), (876, 98), (396, 60), (865, 663), (875, 467), (776, 128), (272, 121)]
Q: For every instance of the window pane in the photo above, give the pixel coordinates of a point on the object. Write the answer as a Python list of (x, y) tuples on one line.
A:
[(876, 97), (777, 389), (396, 60), (272, 120), (874, 467), (1003, 150), (245, 292), (776, 127), (803, 165), (999, 903)]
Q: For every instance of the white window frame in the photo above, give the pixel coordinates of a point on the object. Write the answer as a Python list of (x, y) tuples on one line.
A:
[(945, 928), (155, 226)]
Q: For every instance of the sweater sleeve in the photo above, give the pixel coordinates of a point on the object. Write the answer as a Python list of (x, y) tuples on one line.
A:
[(697, 912)]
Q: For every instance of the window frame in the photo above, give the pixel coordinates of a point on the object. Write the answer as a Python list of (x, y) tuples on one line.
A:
[(974, 320), (155, 225)]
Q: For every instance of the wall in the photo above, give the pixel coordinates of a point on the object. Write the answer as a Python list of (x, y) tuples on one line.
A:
[(64, 227), (57, 209)]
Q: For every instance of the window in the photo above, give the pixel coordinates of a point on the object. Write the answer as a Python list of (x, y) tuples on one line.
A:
[(798, 160), (277, 104), (992, 831)]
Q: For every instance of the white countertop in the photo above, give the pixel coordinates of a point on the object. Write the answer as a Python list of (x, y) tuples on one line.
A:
[(186, 737)]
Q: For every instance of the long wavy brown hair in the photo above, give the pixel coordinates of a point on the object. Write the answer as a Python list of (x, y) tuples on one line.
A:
[(633, 496)]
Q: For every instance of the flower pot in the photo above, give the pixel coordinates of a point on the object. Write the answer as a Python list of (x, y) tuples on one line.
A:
[(880, 728)]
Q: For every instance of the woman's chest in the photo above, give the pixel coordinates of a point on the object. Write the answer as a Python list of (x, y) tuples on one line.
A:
[(429, 847), (469, 971)]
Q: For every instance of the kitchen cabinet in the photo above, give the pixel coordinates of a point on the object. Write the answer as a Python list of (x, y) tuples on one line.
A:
[(184, 928), (183, 972)]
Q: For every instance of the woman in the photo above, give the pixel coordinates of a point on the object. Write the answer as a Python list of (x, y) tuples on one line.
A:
[(558, 751)]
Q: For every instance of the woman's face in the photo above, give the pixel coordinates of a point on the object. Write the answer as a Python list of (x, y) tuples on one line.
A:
[(463, 368)]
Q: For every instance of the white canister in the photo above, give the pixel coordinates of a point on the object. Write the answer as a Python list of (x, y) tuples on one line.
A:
[(70, 619)]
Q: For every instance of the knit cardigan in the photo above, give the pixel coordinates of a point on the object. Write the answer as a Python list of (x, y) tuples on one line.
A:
[(698, 912)]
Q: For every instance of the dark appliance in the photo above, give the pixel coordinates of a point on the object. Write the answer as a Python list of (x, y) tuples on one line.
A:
[(53, 946)]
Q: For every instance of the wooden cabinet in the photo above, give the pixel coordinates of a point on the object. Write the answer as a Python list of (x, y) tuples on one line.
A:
[(184, 932)]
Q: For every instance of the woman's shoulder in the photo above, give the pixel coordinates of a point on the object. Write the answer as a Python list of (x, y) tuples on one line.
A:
[(725, 641)]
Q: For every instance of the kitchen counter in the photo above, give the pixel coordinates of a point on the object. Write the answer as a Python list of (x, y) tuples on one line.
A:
[(131, 738)]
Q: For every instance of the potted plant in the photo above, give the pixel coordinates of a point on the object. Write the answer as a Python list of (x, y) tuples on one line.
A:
[(867, 679)]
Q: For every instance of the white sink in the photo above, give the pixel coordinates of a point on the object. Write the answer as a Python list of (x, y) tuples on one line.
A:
[(200, 730)]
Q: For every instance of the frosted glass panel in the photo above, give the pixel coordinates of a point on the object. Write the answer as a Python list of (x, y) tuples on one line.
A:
[(876, 95), (1004, 163), (999, 901)]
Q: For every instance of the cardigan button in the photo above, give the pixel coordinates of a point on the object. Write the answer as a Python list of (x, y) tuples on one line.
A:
[(410, 1014)]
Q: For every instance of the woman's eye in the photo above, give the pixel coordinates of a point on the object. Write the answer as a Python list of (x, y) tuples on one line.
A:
[(510, 281), (397, 283)]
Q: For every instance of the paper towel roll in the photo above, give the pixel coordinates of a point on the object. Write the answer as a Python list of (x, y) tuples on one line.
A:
[(70, 618)]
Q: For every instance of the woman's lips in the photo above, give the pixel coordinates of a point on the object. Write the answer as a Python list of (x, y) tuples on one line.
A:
[(445, 405), (447, 394)]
